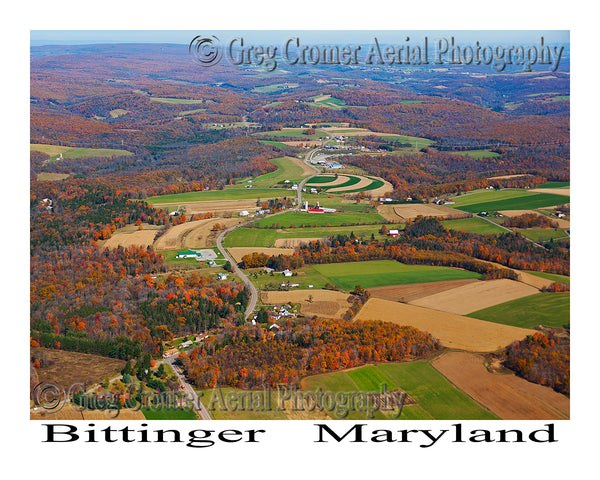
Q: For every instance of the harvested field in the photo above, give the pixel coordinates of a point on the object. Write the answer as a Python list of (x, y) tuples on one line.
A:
[(238, 252), (203, 236), (306, 169), (68, 368), (216, 206), (51, 177), (408, 211), (294, 242), (476, 296), (514, 213), (508, 396), (509, 176), (143, 238), (310, 143), (556, 191), (364, 182), (338, 181), (196, 232), (325, 303), (407, 293), (453, 331), (524, 277)]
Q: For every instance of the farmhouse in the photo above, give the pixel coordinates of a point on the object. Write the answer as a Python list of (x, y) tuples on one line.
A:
[(221, 276), (393, 233), (287, 273)]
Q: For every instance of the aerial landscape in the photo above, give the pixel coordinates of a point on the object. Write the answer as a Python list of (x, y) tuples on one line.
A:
[(306, 242)]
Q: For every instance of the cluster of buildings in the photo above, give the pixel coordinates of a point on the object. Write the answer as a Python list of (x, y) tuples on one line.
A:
[(316, 208)]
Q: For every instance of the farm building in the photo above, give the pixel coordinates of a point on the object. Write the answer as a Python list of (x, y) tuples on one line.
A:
[(187, 254), (244, 213), (315, 210), (393, 233), (287, 273), (221, 276)]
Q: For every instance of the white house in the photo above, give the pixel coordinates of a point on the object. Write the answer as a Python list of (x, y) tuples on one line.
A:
[(287, 273), (244, 213)]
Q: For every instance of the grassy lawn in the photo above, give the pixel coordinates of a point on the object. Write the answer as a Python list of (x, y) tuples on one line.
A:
[(379, 273), (238, 193), (436, 398), (549, 309), (473, 225), (297, 219), (507, 199), (304, 276)]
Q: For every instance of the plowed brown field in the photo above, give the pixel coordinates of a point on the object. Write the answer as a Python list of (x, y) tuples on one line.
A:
[(453, 331), (508, 396), (476, 296), (407, 293)]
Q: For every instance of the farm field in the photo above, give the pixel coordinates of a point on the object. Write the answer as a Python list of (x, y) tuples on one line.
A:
[(453, 331), (191, 234), (288, 168), (220, 195), (51, 177), (508, 396), (552, 276), (542, 234), (379, 273), (435, 397), (68, 368), (548, 309), (176, 101), (413, 291), (76, 152), (298, 219), (324, 303), (69, 412), (476, 296), (131, 235), (562, 223), (477, 153), (473, 225), (407, 211), (507, 199), (557, 191)]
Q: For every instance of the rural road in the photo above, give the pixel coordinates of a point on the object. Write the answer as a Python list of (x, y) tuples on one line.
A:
[(253, 291), (189, 390)]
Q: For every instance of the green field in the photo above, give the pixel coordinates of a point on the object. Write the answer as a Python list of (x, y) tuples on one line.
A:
[(235, 193), (304, 276), (436, 397), (379, 273), (287, 169), (352, 180), (554, 185), (322, 179), (473, 225), (476, 153), (76, 152), (216, 403), (298, 219), (273, 143), (507, 199), (552, 276), (176, 101), (169, 414), (549, 309), (375, 184), (332, 102), (294, 132), (542, 234), (265, 237)]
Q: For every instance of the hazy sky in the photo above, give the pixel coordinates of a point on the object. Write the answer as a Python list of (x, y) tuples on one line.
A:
[(73, 37)]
